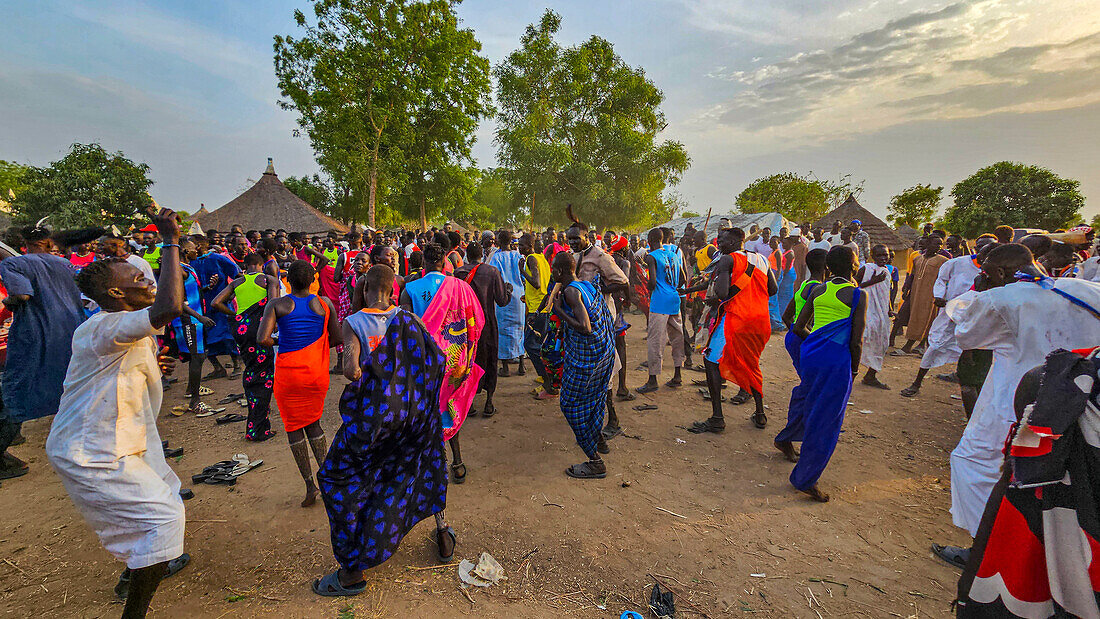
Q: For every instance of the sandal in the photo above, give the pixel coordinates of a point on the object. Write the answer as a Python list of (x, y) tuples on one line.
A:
[(585, 470), (230, 418), (329, 586), (439, 533), (641, 408), (458, 479), (202, 410), (489, 411), (674, 384), (741, 398), (909, 392), (173, 453), (626, 397), (702, 427), (204, 390), (610, 432), (231, 397), (215, 375), (12, 467), (706, 397), (952, 554), (544, 395), (647, 388), (760, 420)]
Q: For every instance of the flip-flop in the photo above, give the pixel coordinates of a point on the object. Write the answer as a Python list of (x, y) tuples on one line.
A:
[(178, 411), (177, 564), (204, 390), (230, 398), (625, 397), (706, 397), (215, 375), (610, 433), (760, 424), (439, 544), (699, 382), (230, 418), (645, 407), (952, 554), (11, 472), (647, 388), (245, 467), (329, 586), (202, 410), (173, 453)]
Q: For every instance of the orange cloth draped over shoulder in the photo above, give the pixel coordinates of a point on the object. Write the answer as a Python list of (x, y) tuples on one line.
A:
[(747, 326), (302, 381)]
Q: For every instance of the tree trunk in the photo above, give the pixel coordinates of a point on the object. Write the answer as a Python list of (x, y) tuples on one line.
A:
[(373, 192)]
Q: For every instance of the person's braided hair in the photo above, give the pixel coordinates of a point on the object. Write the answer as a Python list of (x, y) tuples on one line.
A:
[(94, 279), (433, 254)]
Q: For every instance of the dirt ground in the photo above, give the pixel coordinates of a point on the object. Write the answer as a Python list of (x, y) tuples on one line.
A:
[(713, 517)]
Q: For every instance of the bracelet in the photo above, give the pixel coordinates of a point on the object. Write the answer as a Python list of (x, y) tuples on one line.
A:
[(176, 245)]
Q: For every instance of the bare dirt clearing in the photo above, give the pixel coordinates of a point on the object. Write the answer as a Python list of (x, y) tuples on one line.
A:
[(713, 517)]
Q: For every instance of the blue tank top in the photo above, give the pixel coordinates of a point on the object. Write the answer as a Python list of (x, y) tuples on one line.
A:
[(665, 299), (422, 291), (301, 327), (370, 325)]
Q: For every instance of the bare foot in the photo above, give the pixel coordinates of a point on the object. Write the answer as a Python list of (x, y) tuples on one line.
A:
[(788, 450), (817, 495), (311, 496)]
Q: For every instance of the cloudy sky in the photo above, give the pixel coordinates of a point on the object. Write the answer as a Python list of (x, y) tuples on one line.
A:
[(895, 92)]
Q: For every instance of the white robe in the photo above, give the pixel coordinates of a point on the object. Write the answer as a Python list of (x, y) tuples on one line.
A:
[(956, 276), (876, 332), (104, 444), (1089, 269), (1021, 323)]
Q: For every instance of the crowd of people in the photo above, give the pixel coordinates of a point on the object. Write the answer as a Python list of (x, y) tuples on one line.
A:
[(420, 322)]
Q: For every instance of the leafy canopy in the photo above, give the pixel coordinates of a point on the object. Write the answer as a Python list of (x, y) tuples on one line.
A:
[(1013, 194), (914, 206), (389, 93), (88, 187), (798, 198), (578, 125)]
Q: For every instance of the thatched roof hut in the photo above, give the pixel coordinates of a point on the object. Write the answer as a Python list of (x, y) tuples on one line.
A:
[(878, 230), (269, 204)]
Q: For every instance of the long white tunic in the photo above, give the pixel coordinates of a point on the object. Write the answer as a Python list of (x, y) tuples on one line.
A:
[(104, 443), (1021, 323), (876, 332), (956, 276), (1089, 269)]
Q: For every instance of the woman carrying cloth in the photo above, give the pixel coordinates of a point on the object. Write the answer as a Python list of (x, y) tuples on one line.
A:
[(828, 360), (252, 291), (308, 327), (451, 312)]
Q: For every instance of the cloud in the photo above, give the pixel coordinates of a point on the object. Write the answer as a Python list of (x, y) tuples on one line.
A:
[(958, 60)]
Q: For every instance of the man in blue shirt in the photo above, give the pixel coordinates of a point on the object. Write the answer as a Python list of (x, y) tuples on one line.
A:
[(665, 270)]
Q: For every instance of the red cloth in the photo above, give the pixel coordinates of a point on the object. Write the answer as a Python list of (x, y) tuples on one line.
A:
[(302, 381), (747, 326)]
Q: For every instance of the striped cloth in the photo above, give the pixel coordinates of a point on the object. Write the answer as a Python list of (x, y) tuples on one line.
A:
[(588, 362)]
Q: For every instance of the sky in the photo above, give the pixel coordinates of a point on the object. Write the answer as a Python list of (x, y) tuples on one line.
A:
[(894, 93)]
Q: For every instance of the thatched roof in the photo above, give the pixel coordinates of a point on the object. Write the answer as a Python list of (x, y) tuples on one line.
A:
[(907, 233), (202, 212), (875, 227), (269, 204)]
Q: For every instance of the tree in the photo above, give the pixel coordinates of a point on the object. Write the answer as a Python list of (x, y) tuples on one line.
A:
[(914, 206), (364, 74), (1013, 194), (1094, 223), (578, 125), (11, 179), (798, 198), (690, 214), (88, 187), (314, 190)]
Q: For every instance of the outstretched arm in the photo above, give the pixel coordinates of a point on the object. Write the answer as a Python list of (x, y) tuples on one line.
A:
[(169, 302)]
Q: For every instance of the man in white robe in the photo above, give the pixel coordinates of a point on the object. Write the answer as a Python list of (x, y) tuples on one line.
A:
[(1021, 322), (103, 443), (956, 276), (874, 279)]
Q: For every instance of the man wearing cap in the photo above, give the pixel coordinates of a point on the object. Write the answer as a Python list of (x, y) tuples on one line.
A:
[(861, 239)]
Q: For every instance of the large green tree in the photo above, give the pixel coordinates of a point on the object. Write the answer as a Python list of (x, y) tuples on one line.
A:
[(363, 77), (1013, 194), (578, 125), (314, 190), (88, 187), (798, 198), (914, 206)]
